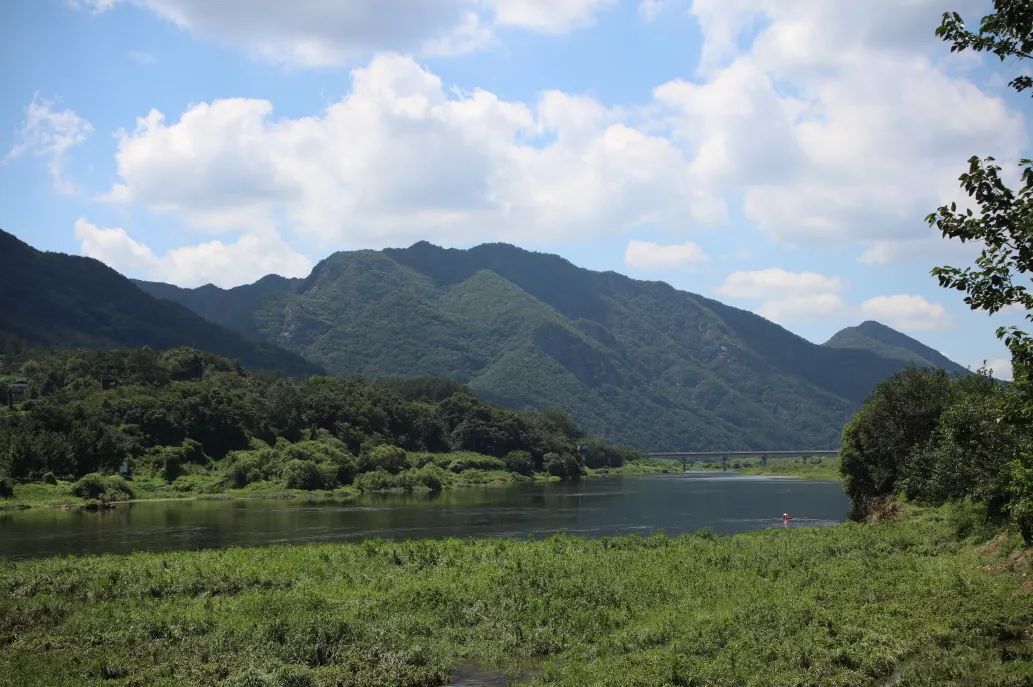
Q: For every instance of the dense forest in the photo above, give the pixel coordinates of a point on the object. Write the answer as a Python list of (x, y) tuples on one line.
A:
[(632, 361), (201, 421)]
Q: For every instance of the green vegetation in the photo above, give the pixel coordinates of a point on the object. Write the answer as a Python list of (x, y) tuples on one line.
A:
[(804, 467), (889, 343), (186, 423), (939, 440), (635, 362), (849, 605), (54, 299)]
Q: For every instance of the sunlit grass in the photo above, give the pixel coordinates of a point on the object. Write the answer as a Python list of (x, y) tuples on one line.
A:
[(846, 605)]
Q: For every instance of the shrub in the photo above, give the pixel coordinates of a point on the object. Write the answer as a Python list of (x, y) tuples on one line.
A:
[(308, 475), (97, 486), (90, 486), (520, 462), (6, 488), (385, 457), (50, 478), (376, 480)]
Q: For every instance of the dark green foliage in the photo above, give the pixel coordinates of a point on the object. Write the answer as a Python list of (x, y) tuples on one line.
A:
[(937, 440), (900, 414), (106, 487), (6, 488), (64, 300), (635, 362), (598, 454), (519, 462), (50, 478), (308, 475), (192, 418)]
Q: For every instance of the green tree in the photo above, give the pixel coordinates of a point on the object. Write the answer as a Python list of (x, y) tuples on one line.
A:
[(1003, 223), (901, 413)]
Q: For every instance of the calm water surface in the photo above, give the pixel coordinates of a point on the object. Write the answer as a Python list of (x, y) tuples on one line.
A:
[(597, 507)]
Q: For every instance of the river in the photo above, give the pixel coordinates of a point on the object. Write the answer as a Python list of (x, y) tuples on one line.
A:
[(676, 503)]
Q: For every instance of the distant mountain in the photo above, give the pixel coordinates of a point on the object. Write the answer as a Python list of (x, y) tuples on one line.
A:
[(633, 361), (889, 343), (65, 301)]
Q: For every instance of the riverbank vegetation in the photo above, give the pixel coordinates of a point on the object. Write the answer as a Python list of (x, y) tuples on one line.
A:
[(804, 467), (848, 605), (113, 425)]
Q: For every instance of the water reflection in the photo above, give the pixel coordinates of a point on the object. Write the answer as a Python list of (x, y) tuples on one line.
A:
[(600, 507)]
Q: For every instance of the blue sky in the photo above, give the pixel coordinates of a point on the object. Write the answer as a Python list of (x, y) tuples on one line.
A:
[(778, 155)]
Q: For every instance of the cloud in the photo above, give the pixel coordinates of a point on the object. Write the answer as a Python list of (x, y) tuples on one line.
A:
[(398, 159), (225, 264), (908, 312), (787, 297), (835, 123), (50, 134), (654, 256), (1000, 368), (317, 33)]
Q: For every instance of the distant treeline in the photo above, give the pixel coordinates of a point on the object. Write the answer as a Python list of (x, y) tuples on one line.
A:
[(87, 411)]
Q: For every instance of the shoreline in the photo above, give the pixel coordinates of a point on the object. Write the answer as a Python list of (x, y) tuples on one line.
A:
[(340, 495)]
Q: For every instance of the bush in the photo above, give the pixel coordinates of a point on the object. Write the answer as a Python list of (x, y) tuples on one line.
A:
[(98, 486), (91, 486), (307, 475), (384, 457), (376, 480), (6, 488), (50, 478), (520, 462)]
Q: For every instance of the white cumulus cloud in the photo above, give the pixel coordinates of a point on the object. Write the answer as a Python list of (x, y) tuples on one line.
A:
[(399, 159), (838, 123), (908, 312), (787, 297), (644, 255), (320, 33), (50, 134), (249, 258)]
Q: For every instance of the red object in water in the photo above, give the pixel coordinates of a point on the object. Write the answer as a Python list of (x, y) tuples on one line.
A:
[(785, 516)]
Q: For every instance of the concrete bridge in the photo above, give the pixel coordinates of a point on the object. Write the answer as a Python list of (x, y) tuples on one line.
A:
[(690, 457)]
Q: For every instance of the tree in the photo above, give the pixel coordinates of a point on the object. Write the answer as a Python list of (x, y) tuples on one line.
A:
[(1004, 223)]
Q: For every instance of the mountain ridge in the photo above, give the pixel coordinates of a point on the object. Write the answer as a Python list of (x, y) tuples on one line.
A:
[(73, 301), (889, 343), (638, 362)]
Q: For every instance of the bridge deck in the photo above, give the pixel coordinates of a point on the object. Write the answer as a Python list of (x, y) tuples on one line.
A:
[(740, 454)]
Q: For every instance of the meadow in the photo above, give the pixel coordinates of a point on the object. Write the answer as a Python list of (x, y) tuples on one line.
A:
[(919, 598)]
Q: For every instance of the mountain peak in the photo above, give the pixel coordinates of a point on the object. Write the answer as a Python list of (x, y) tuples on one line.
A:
[(889, 343)]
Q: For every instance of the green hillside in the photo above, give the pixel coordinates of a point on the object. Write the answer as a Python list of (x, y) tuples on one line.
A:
[(70, 301), (634, 362), (889, 343)]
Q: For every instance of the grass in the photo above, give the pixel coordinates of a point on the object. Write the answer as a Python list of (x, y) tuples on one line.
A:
[(826, 469), (846, 605), (212, 486)]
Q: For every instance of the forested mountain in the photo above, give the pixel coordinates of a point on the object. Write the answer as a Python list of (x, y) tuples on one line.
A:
[(633, 361), (889, 343), (70, 301)]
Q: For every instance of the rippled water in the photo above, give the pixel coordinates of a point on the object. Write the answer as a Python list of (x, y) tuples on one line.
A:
[(598, 507)]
